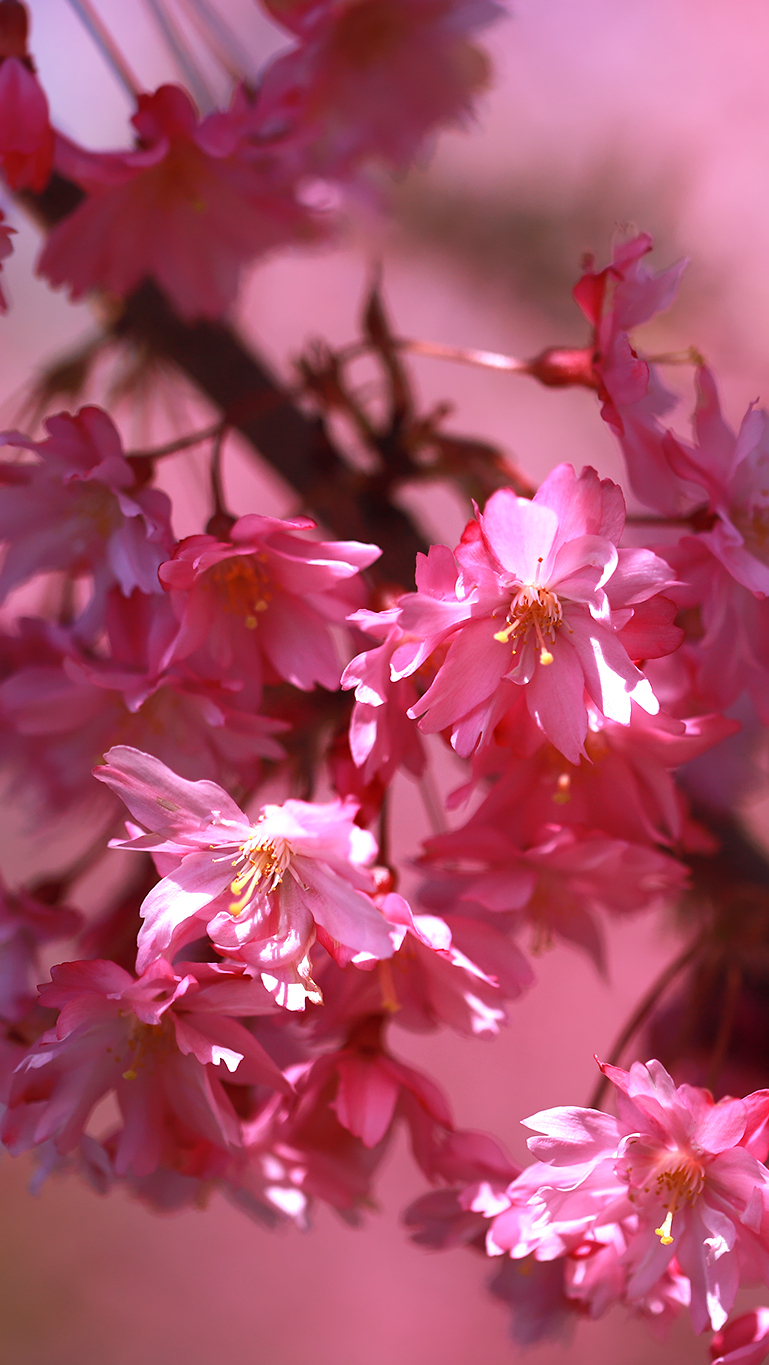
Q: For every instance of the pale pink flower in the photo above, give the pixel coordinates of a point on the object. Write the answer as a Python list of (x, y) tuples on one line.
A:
[(457, 975), (262, 890), (674, 1171), (26, 136), (539, 594), (161, 1044), (187, 208), (382, 737), (744, 1341), (265, 600), (80, 508), (555, 884), (372, 78), (615, 300), (624, 787)]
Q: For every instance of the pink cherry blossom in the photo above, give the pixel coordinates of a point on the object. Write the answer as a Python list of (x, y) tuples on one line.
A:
[(540, 591), (187, 208), (673, 1171), (264, 601), (25, 924), (80, 508), (615, 300), (262, 890), (382, 739), (160, 1044), (744, 1341), (371, 78), (458, 975)]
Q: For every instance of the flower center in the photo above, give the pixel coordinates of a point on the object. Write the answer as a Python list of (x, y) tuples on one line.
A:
[(262, 861), (244, 588), (533, 608), (674, 1178)]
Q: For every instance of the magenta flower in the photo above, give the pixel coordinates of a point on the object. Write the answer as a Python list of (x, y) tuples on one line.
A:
[(263, 891), (187, 208), (539, 596), (371, 78), (80, 508), (160, 1044), (745, 1341), (266, 600), (382, 738), (674, 1171)]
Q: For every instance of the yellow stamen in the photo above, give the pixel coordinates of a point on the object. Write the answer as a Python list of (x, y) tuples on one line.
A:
[(664, 1232)]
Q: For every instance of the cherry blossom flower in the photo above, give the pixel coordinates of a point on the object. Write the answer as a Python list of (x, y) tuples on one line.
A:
[(615, 300), (187, 209), (264, 890), (674, 1171), (371, 78), (457, 975), (555, 885), (26, 136), (265, 600), (159, 1043), (25, 924), (744, 1341), (538, 597), (382, 739), (81, 508)]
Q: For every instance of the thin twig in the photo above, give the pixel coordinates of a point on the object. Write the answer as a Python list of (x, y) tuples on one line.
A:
[(486, 360), (641, 1013), (181, 443), (102, 38)]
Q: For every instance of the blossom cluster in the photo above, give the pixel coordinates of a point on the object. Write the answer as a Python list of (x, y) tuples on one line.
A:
[(236, 709)]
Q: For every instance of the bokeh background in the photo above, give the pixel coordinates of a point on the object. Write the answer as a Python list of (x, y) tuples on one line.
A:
[(654, 113)]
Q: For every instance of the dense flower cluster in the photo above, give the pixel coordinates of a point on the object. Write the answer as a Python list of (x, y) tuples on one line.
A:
[(252, 696)]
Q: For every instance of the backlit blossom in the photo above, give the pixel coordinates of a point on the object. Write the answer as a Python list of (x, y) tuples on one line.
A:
[(263, 602), (162, 1044), (262, 890), (539, 592), (674, 1172), (744, 1341)]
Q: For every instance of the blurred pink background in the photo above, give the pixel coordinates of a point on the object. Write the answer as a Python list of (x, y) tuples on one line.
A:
[(652, 112)]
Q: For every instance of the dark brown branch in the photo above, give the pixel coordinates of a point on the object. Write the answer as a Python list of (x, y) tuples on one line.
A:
[(250, 398)]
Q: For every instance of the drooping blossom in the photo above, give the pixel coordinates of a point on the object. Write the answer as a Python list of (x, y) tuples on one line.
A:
[(723, 568), (161, 1044), (554, 885), (679, 1177), (624, 787), (458, 975), (262, 890), (382, 738), (744, 1341), (615, 300), (26, 136), (186, 208), (373, 78), (536, 596), (80, 508), (261, 605)]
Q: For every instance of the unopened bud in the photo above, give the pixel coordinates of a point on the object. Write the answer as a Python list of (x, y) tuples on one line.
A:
[(559, 367)]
